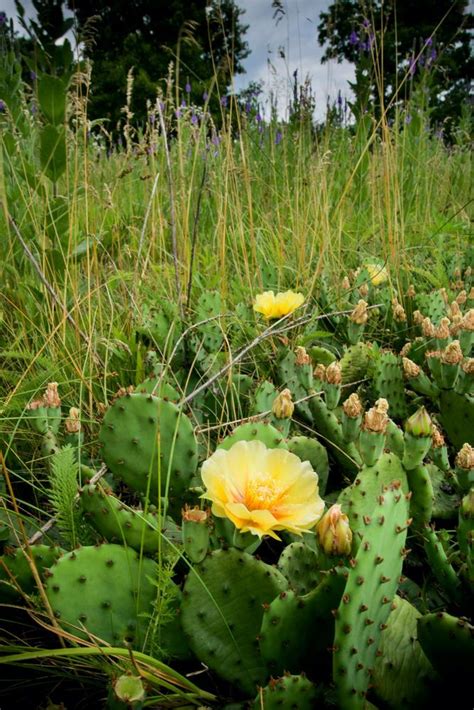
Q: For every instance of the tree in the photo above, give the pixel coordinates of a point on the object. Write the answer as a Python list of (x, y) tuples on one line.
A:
[(426, 42), (205, 35)]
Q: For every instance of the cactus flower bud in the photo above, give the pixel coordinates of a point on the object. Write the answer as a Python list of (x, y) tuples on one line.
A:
[(333, 373), (399, 314), (320, 372), (456, 324), (411, 293), (467, 505), (465, 458), (73, 423), (444, 294), (129, 689), (359, 315), (334, 533), (442, 331), (468, 320), (346, 284), (364, 290), (465, 467), (376, 418), (437, 439), (51, 396), (302, 357), (439, 451), (196, 533), (410, 368), (468, 366), (418, 317), (352, 406), (419, 424), (427, 328), (461, 298), (283, 406), (452, 355), (454, 309)]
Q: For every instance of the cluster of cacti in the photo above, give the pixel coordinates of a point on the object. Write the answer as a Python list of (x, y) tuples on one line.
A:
[(340, 608)]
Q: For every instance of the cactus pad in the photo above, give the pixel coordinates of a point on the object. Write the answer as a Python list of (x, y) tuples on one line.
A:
[(292, 692)]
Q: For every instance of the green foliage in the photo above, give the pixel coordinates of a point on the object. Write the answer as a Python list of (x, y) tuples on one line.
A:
[(64, 481)]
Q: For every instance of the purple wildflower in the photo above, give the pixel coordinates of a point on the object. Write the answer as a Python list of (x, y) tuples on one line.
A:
[(33, 76), (215, 140), (162, 106), (366, 23), (183, 104), (224, 101), (151, 118), (194, 119), (3, 106), (258, 117), (429, 41), (339, 99), (3, 18), (177, 113), (363, 46), (205, 96), (33, 108), (412, 67), (248, 107), (278, 137), (433, 54), (353, 38), (187, 88), (408, 119)]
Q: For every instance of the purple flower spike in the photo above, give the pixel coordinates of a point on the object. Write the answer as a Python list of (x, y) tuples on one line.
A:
[(205, 96), (339, 99), (429, 41), (183, 104), (194, 119), (3, 106), (177, 113), (248, 107), (278, 137), (187, 88), (408, 119), (3, 18), (162, 106), (224, 101), (353, 38), (412, 67), (151, 118), (366, 23), (258, 118)]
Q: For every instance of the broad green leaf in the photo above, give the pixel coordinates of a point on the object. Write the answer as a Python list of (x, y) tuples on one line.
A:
[(52, 98), (53, 152)]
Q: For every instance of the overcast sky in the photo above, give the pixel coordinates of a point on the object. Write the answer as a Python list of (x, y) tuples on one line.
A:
[(296, 33)]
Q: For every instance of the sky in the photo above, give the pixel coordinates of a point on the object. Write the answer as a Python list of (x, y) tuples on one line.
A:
[(296, 33)]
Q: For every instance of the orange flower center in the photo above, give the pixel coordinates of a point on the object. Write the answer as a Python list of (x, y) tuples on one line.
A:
[(262, 492)]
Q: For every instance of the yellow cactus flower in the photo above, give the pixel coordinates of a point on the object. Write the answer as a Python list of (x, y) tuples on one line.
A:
[(271, 306), (378, 274), (262, 490)]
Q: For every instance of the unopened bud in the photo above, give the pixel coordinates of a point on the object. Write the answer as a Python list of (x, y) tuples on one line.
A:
[(334, 532), (437, 439), (427, 328), (320, 372), (346, 284), (352, 406), (418, 317), (468, 366), (468, 320), (411, 293), (364, 290), (51, 396), (410, 368), (333, 374), (376, 418), (359, 315), (456, 324), (465, 458), (72, 423), (195, 514), (122, 392), (302, 357), (129, 689), (454, 309), (461, 298), (442, 331), (468, 272), (405, 350), (444, 295), (457, 273), (399, 314), (467, 505), (283, 406), (452, 354), (419, 424)]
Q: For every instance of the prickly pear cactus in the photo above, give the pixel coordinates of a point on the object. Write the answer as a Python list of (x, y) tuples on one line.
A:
[(367, 487), (103, 592), (448, 642), (402, 673), (222, 610), (292, 692), (355, 362), (368, 596), (255, 431), (117, 522), (150, 445), (457, 417), (284, 639), (299, 564), (16, 576), (388, 383)]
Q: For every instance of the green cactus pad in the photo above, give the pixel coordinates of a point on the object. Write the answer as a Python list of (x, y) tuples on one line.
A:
[(367, 598), (255, 431), (446, 500), (457, 417), (104, 591), (15, 570), (328, 427), (354, 363), (432, 306), (448, 642), (388, 383), (150, 445), (298, 379), (321, 356), (299, 564), (162, 389), (368, 486), (421, 487), (286, 638), (402, 673), (263, 399), (117, 522), (440, 565), (292, 692), (313, 451), (222, 610)]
